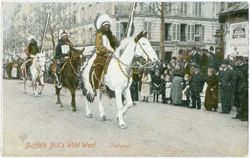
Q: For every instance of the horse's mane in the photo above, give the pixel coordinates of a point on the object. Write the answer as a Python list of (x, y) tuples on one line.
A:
[(123, 44)]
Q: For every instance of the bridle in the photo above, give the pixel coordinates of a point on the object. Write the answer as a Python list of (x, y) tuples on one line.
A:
[(144, 66)]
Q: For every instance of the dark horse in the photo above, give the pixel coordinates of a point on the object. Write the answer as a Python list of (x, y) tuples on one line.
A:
[(70, 75)]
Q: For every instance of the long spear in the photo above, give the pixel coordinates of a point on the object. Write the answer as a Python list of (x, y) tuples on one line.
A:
[(45, 29), (130, 26)]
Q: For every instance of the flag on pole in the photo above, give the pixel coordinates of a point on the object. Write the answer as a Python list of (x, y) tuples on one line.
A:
[(45, 29), (130, 27)]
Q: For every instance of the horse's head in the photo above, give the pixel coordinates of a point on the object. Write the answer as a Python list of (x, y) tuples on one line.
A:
[(144, 49), (76, 55), (40, 60)]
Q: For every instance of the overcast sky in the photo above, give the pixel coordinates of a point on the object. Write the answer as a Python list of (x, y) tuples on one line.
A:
[(7, 13)]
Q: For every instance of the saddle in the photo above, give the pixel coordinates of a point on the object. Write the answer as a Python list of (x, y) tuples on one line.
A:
[(98, 70)]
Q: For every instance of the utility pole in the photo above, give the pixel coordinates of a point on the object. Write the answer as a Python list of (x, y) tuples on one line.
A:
[(162, 39)]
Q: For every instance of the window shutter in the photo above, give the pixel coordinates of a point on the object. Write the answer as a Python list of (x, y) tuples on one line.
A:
[(118, 30), (188, 33), (178, 32), (192, 32), (149, 30), (202, 32), (174, 32)]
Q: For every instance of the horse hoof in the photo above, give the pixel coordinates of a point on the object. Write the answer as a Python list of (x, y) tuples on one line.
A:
[(123, 126), (58, 102), (104, 118), (89, 115), (60, 105), (39, 93), (73, 109)]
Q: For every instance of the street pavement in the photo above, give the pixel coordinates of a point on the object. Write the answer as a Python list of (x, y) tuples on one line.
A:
[(36, 126)]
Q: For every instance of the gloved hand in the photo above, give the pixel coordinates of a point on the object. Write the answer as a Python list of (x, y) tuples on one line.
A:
[(110, 53), (57, 61)]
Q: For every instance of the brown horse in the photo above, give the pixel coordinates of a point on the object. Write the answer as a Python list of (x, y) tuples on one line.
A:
[(69, 74)]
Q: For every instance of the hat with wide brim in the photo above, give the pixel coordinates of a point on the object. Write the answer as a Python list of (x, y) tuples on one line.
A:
[(104, 18)]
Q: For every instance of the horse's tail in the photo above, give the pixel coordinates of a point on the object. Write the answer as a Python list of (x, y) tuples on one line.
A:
[(86, 86)]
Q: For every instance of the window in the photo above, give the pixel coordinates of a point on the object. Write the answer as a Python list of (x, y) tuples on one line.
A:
[(199, 33), (190, 33), (168, 32), (197, 8), (183, 32), (183, 8), (147, 28), (121, 29), (168, 7), (176, 32)]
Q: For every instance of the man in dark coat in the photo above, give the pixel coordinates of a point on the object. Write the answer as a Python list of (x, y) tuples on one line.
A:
[(62, 50), (226, 84), (195, 58), (134, 88), (241, 70), (211, 59), (196, 85)]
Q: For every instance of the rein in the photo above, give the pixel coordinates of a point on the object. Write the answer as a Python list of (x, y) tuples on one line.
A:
[(70, 62), (134, 66)]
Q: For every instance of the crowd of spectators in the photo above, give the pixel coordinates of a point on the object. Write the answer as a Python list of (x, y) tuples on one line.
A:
[(192, 73)]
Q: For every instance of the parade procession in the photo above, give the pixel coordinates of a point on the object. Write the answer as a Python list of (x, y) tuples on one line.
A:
[(125, 79)]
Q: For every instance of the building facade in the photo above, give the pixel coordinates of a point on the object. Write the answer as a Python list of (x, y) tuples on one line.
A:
[(186, 23), (234, 28)]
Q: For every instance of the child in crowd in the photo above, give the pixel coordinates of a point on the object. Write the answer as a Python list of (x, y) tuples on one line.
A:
[(156, 83), (166, 89), (145, 87), (185, 91)]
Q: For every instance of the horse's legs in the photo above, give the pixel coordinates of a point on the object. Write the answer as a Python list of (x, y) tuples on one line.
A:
[(102, 113), (58, 99), (88, 110), (34, 87), (129, 102), (118, 95), (73, 102), (41, 84), (24, 85)]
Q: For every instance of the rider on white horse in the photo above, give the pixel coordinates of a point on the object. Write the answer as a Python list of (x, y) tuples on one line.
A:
[(106, 43), (30, 51)]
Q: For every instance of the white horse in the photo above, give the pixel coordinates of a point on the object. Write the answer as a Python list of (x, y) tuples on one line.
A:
[(118, 76), (37, 70)]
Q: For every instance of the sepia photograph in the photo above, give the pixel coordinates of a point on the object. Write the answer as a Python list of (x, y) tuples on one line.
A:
[(124, 78)]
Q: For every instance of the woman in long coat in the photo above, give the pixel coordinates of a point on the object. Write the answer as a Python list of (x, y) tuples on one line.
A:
[(145, 86), (177, 85), (211, 95)]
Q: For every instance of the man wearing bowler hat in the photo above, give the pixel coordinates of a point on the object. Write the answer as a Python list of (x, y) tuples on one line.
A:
[(226, 80)]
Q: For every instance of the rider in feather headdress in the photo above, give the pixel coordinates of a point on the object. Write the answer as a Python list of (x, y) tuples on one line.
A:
[(106, 43)]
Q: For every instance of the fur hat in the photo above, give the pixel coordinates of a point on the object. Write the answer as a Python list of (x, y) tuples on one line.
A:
[(103, 19), (31, 37), (64, 33)]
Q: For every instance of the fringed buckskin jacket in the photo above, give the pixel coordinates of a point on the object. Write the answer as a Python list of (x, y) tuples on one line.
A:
[(105, 42)]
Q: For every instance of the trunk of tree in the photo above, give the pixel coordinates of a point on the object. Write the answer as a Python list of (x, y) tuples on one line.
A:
[(52, 40), (162, 40)]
